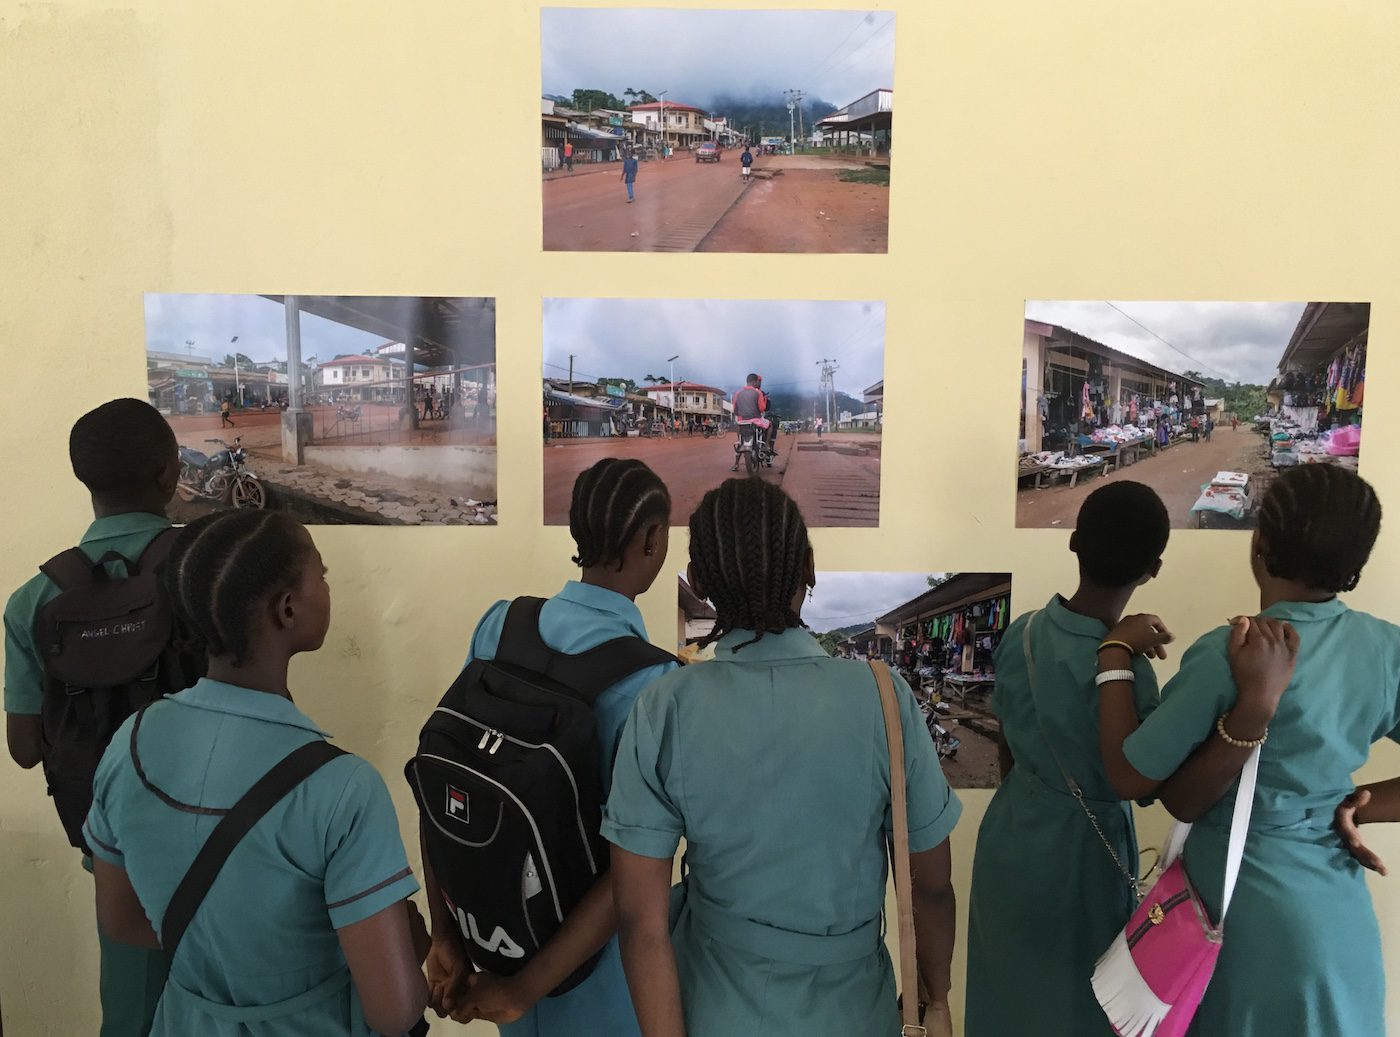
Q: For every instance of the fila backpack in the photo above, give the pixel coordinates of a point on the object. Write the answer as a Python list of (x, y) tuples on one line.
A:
[(507, 779), (109, 645)]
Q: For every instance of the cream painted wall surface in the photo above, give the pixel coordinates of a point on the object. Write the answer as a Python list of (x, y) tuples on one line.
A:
[(1078, 150)]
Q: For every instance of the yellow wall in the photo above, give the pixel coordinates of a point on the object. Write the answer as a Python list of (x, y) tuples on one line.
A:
[(1078, 150)]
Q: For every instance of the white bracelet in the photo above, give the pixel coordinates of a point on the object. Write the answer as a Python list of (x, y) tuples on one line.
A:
[(1109, 676)]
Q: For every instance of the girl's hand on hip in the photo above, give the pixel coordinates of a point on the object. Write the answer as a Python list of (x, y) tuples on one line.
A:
[(1262, 652), (1147, 634), (1345, 824)]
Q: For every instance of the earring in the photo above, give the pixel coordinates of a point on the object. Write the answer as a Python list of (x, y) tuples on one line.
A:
[(810, 591)]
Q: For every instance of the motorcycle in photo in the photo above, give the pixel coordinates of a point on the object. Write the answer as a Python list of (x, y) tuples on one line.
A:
[(221, 477), (753, 450)]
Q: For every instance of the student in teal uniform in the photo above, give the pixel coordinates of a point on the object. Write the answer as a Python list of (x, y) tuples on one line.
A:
[(307, 931), (771, 762), (620, 521), (1302, 951), (125, 454), (1047, 896)]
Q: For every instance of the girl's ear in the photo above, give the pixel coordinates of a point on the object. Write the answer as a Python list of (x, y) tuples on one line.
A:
[(283, 610)]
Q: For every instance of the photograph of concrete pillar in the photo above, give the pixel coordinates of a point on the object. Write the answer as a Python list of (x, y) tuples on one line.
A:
[(938, 631), (1203, 401), (376, 410)]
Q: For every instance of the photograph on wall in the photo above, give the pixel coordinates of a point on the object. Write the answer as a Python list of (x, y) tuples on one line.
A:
[(666, 130), (339, 409), (1205, 402), (704, 389), (937, 630)]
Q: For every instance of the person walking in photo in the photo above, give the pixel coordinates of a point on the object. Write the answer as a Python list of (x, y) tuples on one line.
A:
[(629, 174), (427, 403), (746, 162), (224, 420), (568, 156), (776, 926), (1320, 691)]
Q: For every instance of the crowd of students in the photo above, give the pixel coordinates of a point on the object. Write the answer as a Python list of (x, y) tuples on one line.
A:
[(770, 762)]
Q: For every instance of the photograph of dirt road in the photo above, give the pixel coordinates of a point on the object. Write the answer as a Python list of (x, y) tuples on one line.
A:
[(339, 409), (939, 631), (791, 391), (716, 130), (1203, 401)]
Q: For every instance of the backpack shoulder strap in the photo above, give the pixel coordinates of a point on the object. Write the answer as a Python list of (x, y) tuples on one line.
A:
[(521, 644), (266, 793), (593, 672), (70, 569), (156, 552)]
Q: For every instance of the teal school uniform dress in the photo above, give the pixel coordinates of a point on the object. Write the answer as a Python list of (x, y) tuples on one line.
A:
[(1302, 950), (261, 957), (1047, 899), (580, 617), (131, 978), (772, 764)]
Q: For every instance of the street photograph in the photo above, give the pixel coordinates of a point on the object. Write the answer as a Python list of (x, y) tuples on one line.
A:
[(376, 410), (704, 389), (1205, 402), (938, 631), (665, 130)]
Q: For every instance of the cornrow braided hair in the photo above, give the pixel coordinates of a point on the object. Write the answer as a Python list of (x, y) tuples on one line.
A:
[(613, 501), (1318, 524), (223, 566), (749, 545)]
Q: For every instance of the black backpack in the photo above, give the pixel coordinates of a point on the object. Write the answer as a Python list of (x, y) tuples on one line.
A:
[(109, 645), (507, 782)]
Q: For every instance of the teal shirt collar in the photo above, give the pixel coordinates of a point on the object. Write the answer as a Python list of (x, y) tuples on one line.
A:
[(1059, 613), (604, 600), (1306, 611), (793, 643), (133, 522), (218, 697)]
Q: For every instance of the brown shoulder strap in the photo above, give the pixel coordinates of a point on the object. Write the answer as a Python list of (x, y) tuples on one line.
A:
[(70, 569), (899, 854)]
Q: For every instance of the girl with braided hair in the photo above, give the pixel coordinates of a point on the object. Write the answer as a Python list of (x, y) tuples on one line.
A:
[(1302, 954), (308, 929), (771, 762)]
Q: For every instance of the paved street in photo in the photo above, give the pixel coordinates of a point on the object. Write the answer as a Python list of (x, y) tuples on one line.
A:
[(686, 206), (1176, 473), (836, 481)]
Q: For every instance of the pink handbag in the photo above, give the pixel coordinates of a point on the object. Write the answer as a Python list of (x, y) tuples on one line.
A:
[(1151, 980)]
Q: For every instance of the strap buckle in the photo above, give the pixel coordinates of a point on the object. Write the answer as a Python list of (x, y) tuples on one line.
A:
[(913, 1030)]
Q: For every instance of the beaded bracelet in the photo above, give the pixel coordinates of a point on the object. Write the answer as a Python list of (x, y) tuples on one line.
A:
[(1255, 744), (1116, 644)]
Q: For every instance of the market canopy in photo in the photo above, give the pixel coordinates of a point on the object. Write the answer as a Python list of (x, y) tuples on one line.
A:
[(958, 590), (1324, 329), (444, 331)]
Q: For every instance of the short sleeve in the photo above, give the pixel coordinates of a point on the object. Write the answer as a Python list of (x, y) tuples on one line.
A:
[(99, 831), (611, 710), (933, 807), (1146, 696), (487, 634), (1185, 715), (24, 672), (641, 815), (366, 867)]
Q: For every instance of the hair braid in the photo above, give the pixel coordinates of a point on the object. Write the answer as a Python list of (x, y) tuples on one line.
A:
[(749, 546), (1318, 524), (612, 502)]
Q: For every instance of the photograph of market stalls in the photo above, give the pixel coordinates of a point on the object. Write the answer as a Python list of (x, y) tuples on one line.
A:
[(656, 379), (339, 409), (1203, 401), (939, 631), (716, 130)]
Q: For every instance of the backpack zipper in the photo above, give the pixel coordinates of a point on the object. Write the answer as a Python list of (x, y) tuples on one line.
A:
[(568, 773)]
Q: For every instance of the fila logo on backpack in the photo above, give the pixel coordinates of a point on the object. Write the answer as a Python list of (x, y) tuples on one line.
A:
[(109, 645), (508, 783)]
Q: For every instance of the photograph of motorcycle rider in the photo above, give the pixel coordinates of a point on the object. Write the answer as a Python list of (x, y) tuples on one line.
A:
[(751, 409)]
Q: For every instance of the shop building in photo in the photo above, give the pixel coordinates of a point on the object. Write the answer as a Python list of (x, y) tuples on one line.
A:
[(1071, 384), (865, 125), (695, 620), (691, 401), (1317, 398), (949, 632)]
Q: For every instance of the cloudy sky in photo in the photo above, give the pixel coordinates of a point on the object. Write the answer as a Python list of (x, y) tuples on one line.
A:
[(842, 599), (210, 321), (718, 341), (1236, 341), (698, 55)]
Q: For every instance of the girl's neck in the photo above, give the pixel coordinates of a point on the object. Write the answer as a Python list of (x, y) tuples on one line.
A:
[(1274, 591), (611, 579), (256, 674), (1106, 604)]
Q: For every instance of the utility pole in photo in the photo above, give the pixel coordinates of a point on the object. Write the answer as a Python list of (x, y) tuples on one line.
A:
[(795, 102), (571, 374), (829, 368)]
